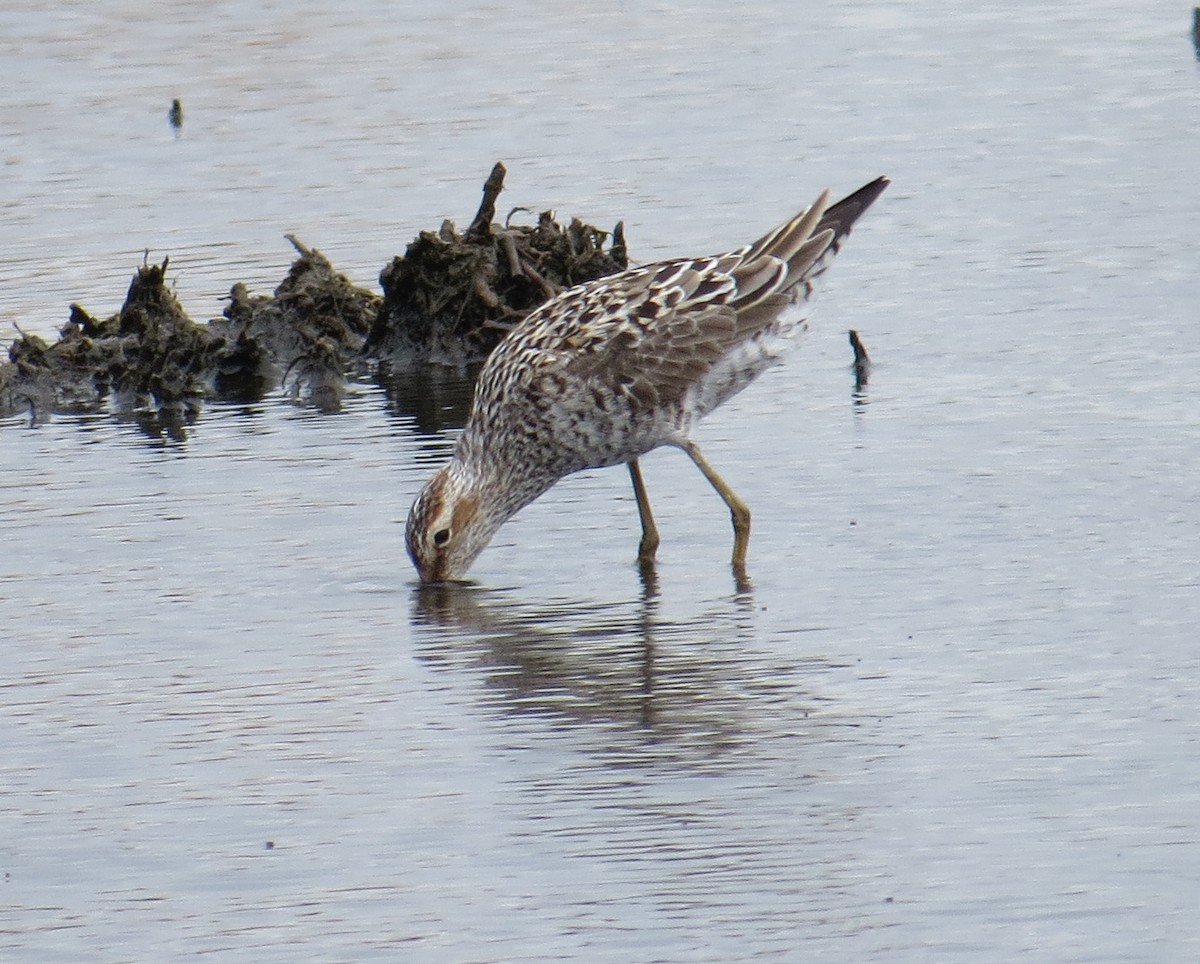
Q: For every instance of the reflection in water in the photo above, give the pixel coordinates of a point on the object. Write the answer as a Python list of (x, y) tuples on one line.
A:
[(586, 662), (680, 760), (436, 398), (161, 428), (688, 687)]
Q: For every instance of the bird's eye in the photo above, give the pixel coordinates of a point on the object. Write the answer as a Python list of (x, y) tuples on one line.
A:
[(441, 537)]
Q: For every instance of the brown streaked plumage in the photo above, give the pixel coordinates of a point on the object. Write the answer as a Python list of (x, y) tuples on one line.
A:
[(611, 369)]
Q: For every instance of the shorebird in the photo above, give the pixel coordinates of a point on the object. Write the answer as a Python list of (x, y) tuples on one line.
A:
[(608, 370)]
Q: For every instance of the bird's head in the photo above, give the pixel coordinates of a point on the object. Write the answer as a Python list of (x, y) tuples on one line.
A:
[(448, 525)]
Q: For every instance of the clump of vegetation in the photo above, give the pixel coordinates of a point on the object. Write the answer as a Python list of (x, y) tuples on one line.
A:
[(450, 298), (453, 295)]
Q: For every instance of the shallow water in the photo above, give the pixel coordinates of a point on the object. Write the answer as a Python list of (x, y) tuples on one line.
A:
[(954, 717)]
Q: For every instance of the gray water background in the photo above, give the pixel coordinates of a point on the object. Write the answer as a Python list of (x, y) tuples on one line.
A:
[(954, 719)]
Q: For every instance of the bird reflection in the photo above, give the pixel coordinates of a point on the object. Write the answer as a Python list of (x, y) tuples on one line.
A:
[(582, 661), (681, 686)]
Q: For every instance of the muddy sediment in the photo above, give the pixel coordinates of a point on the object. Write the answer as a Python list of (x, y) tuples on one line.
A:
[(453, 295), (449, 299)]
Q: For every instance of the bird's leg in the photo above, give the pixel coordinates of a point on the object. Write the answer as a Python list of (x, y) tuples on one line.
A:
[(649, 542), (737, 508)]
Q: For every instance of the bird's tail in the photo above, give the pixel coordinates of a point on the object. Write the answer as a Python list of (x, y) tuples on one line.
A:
[(782, 265)]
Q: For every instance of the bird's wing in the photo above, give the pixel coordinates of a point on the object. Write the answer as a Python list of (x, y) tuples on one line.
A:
[(652, 333)]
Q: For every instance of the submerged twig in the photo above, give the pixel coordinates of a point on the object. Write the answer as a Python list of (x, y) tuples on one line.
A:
[(862, 362)]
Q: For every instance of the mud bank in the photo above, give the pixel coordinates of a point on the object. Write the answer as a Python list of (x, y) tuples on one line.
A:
[(448, 300)]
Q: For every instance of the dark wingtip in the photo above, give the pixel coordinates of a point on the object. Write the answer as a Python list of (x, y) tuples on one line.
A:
[(868, 192), (861, 199), (840, 217)]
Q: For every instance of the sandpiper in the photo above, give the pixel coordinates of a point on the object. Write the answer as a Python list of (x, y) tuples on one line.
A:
[(610, 369)]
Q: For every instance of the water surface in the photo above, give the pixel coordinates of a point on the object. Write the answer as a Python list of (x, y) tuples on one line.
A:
[(954, 717)]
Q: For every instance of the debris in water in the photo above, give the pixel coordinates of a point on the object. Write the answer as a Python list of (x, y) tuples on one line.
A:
[(450, 299), (454, 295), (862, 362)]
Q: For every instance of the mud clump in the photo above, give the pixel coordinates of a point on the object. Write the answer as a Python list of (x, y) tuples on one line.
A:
[(453, 296), (308, 335), (148, 354), (449, 299)]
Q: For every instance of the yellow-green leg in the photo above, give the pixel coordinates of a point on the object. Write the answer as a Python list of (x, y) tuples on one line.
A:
[(648, 545), (738, 509)]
